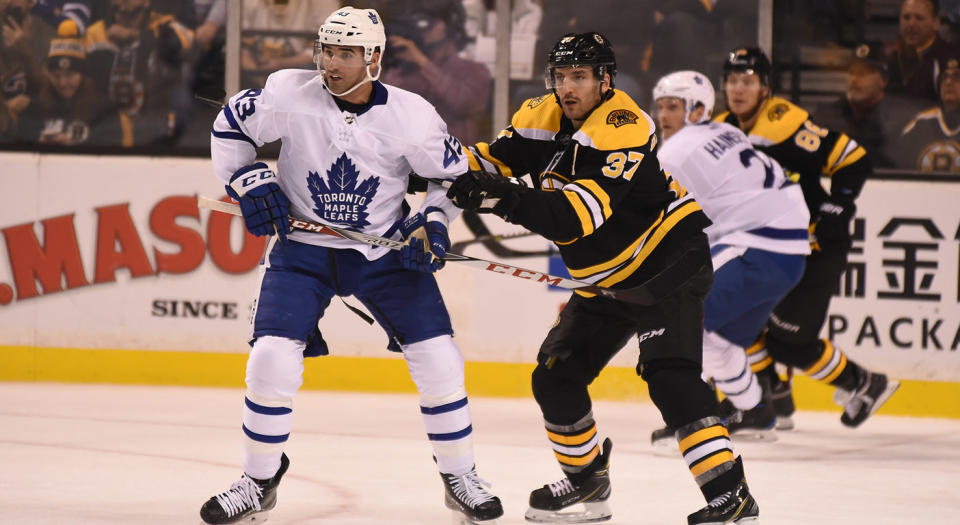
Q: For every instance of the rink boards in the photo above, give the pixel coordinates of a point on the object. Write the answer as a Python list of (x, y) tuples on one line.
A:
[(108, 273)]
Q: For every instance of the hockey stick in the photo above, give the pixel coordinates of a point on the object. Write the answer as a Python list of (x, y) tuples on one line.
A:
[(646, 294)]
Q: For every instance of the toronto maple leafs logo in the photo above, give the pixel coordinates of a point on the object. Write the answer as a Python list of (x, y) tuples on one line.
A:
[(343, 201)]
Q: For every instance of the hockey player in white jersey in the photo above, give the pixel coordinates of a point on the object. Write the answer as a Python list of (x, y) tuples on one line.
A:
[(758, 240), (348, 145)]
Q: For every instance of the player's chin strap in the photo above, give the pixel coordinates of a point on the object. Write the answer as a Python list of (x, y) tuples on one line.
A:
[(368, 78)]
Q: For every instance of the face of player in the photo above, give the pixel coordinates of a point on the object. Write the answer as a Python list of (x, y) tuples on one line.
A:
[(950, 89), (918, 22), (344, 66), (65, 82), (579, 90), (744, 92), (864, 83), (671, 115)]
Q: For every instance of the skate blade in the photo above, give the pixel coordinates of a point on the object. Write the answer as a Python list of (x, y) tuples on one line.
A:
[(259, 517), (753, 435), (784, 423), (592, 513), (892, 386), (459, 518)]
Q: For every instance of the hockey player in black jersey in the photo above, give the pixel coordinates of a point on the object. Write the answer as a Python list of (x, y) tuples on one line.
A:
[(618, 220), (785, 132)]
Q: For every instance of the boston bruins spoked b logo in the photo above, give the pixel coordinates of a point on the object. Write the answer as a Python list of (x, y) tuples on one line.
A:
[(621, 117)]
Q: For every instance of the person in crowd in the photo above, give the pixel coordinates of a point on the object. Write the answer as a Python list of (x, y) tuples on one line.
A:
[(919, 53), (20, 74), (66, 111), (136, 57), (425, 45), (809, 151), (279, 34), (620, 222), (931, 141), (866, 112), (70, 18), (348, 144)]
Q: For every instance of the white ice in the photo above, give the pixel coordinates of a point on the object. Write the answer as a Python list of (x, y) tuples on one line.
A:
[(91, 454)]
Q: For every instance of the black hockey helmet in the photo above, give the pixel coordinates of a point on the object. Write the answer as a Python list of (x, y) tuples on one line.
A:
[(582, 49), (748, 60)]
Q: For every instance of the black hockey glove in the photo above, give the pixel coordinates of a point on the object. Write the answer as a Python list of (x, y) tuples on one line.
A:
[(832, 221), (486, 193)]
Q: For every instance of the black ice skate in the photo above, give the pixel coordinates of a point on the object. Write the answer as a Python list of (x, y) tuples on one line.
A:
[(470, 501), (664, 438), (782, 396), (873, 391), (755, 424), (735, 506), (247, 501), (550, 503)]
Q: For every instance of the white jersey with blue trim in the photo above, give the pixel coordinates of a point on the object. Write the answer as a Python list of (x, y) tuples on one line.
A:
[(746, 194), (337, 167)]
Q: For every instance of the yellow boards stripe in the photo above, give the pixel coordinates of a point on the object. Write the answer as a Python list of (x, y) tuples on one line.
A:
[(586, 223)]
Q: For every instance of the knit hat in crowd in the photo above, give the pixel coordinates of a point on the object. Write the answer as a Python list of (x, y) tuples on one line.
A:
[(67, 54)]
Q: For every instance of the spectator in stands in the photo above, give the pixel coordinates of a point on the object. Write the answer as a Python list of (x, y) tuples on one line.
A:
[(265, 52), (70, 18), (66, 110), (866, 113), (931, 141), (422, 57), (20, 76), (919, 53), (136, 57)]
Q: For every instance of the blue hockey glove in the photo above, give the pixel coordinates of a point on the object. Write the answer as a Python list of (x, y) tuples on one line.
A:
[(262, 202), (832, 221), (425, 255)]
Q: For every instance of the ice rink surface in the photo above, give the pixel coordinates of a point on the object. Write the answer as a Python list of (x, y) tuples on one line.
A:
[(90, 454)]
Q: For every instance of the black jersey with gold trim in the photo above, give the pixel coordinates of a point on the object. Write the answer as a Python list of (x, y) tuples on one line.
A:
[(602, 197), (785, 132)]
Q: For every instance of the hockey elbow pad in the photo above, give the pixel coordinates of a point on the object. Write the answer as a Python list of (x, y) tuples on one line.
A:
[(262, 202)]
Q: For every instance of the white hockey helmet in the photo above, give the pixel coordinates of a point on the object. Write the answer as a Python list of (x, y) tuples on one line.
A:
[(349, 26), (690, 86)]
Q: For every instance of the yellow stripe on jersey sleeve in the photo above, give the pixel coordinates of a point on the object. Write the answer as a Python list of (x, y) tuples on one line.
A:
[(594, 188), (779, 119), (472, 161), (617, 123), (839, 158), (669, 222), (586, 223), (484, 150)]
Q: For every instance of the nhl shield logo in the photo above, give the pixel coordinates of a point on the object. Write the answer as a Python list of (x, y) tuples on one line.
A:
[(621, 117)]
